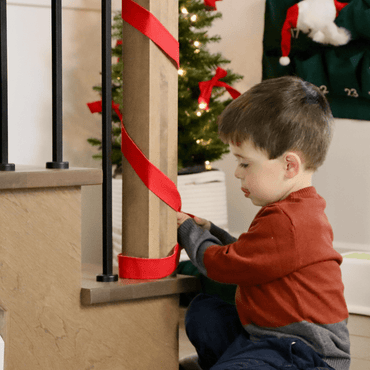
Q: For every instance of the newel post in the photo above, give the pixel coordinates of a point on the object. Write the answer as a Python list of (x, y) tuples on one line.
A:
[(150, 117)]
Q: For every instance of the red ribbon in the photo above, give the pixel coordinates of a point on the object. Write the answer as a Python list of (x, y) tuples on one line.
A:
[(150, 26), (207, 86), (153, 178), (160, 185)]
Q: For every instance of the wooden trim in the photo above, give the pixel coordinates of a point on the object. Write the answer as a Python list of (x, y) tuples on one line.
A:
[(93, 292), (39, 177)]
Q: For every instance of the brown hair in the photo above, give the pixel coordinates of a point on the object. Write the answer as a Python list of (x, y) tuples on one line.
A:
[(278, 115)]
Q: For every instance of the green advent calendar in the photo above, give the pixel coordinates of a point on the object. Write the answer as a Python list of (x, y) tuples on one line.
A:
[(326, 42)]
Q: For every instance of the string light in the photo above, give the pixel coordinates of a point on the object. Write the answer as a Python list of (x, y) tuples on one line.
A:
[(203, 142), (193, 18), (181, 72), (196, 51), (208, 165), (196, 44), (203, 105), (198, 113), (184, 11)]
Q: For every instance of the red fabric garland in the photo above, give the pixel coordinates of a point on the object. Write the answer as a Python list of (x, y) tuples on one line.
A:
[(153, 178), (207, 86), (160, 185), (150, 26)]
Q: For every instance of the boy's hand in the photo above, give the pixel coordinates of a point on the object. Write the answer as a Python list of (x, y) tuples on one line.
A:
[(181, 218), (205, 224)]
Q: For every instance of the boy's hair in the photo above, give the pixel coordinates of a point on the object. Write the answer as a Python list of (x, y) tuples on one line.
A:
[(278, 115)]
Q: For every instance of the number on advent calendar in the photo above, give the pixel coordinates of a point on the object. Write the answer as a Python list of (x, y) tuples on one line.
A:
[(351, 92)]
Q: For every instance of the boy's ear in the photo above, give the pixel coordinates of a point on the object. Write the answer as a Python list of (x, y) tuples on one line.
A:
[(292, 163)]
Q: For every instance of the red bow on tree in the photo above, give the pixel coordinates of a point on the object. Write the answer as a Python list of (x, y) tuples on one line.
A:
[(119, 42), (211, 4), (207, 86)]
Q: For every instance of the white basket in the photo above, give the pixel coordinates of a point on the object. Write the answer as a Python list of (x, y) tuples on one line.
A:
[(117, 218), (204, 195)]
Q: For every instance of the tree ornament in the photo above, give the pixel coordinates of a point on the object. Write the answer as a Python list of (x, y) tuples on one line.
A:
[(316, 18), (207, 86), (210, 4)]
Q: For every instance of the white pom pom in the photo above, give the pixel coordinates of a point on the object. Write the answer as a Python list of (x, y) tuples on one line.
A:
[(284, 61)]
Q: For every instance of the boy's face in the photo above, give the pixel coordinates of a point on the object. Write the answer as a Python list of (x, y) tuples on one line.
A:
[(263, 180)]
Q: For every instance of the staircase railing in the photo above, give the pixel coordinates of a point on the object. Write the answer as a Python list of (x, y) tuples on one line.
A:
[(57, 109)]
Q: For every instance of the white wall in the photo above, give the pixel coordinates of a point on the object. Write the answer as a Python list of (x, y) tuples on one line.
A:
[(343, 180)]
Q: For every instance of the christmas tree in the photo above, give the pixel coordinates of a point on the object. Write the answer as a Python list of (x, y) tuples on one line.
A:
[(198, 138), (198, 141)]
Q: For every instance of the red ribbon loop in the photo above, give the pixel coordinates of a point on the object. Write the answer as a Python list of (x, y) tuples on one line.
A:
[(150, 26), (207, 86), (148, 268)]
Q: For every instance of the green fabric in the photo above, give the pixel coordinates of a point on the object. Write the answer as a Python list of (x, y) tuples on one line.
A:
[(343, 73), (226, 292)]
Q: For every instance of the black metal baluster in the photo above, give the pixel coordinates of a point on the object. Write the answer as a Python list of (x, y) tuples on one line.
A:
[(107, 275), (4, 165), (56, 35)]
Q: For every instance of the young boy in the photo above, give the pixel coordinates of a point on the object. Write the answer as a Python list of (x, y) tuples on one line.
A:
[(290, 309)]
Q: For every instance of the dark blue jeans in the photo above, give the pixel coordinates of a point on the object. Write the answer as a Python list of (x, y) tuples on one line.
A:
[(214, 329)]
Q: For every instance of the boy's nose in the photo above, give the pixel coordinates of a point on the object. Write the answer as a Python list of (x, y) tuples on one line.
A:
[(238, 173)]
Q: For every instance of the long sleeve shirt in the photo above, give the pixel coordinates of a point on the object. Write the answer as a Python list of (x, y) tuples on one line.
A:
[(287, 271)]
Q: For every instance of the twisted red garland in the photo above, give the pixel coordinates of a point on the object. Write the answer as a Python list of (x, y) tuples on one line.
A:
[(150, 26), (160, 185), (153, 178)]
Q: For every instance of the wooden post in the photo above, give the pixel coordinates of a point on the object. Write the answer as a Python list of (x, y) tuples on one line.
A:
[(150, 117)]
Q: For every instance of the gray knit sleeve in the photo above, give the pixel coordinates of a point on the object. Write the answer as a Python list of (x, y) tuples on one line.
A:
[(195, 241), (222, 235)]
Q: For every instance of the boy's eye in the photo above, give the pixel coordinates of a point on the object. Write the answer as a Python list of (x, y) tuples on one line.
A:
[(243, 165)]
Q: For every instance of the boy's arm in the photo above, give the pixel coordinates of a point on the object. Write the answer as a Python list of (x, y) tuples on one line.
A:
[(265, 253), (195, 240)]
